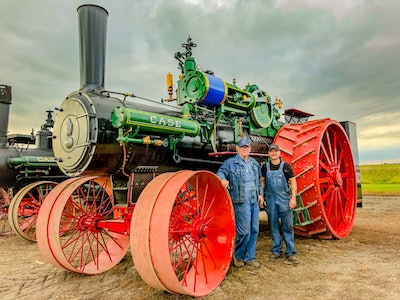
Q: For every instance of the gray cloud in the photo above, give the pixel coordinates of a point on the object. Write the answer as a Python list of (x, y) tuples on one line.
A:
[(337, 59)]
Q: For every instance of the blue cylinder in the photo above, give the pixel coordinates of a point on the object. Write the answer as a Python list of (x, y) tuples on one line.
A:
[(216, 91)]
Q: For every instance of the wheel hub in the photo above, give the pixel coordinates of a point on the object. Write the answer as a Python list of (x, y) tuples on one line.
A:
[(88, 222), (199, 230), (335, 176), (196, 227)]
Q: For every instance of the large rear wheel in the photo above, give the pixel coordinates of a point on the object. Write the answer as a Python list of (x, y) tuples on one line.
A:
[(323, 163), (182, 232)]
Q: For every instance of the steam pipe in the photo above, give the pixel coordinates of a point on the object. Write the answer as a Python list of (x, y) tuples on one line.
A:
[(5, 102), (92, 46)]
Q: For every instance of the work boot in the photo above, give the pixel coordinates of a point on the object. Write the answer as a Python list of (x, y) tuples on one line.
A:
[(292, 260), (275, 256), (253, 264), (238, 263)]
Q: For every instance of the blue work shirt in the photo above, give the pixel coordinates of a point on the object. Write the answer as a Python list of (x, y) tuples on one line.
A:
[(244, 178)]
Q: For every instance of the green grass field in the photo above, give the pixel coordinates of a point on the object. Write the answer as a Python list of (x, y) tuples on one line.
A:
[(380, 179)]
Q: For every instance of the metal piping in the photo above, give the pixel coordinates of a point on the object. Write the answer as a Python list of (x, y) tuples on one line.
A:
[(92, 46)]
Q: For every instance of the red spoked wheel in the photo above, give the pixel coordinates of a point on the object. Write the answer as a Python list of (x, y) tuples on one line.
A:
[(323, 163), (182, 232), (5, 228), (24, 208), (67, 233)]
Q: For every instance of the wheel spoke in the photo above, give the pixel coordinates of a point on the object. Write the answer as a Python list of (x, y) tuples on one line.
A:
[(334, 145), (35, 197), (328, 202), (328, 144), (323, 180), (325, 153), (323, 166), (340, 155), (28, 222), (337, 215)]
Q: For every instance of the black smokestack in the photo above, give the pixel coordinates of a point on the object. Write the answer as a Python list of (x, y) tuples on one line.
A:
[(92, 45), (5, 102)]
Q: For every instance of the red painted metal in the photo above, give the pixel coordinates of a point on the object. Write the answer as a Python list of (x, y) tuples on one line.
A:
[(68, 235), (182, 232), (321, 155), (140, 233), (231, 153), (122, 220), (42, 223), (25, 206), (5, 228)]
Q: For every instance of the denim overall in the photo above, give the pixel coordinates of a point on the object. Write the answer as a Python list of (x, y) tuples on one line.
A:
[(277, 195), (247, 233), (244, 188)]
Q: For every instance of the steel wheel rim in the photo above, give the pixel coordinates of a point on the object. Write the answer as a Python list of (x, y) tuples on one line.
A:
[(192, 227), (71, 237), (25, 207), (5, 226), (337, 181), (140, 235), (43, 223)]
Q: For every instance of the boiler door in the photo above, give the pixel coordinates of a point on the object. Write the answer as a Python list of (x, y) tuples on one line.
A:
[(75, 134)]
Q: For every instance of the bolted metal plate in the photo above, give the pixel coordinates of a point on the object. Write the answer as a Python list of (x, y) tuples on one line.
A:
[(74, 135)]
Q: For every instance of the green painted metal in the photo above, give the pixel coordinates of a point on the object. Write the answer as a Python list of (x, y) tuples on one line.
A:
[(192, 88), (206, 102), (301, 214), (261, 115), (238, 98), (32, 161), (252, 105), (153, 122)]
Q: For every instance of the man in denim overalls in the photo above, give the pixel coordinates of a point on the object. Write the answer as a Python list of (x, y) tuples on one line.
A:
[(241, 175), (280, 195)]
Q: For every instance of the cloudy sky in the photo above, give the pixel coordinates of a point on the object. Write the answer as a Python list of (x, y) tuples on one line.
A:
[(337, 59)]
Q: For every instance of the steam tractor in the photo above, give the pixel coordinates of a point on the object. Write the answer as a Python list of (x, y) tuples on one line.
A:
[(142, 172), (28, 171)]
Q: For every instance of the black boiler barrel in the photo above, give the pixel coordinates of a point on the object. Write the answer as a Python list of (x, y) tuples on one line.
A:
[(85, 142)]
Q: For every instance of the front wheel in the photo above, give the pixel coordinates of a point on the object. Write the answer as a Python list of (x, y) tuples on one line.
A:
[(68, 235), (182, 232)]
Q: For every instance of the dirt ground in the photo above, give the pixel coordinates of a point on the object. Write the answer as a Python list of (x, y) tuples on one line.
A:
[(365, 265)]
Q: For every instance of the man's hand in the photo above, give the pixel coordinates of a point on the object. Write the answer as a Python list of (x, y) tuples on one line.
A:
[(292, 202), (261, 201), (225, 183)]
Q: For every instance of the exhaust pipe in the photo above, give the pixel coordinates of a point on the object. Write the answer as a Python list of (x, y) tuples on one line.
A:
[(92, 46), (5, 102)]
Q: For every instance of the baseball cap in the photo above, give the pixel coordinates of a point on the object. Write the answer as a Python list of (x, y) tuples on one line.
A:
[(244, 142), (273, 147)]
